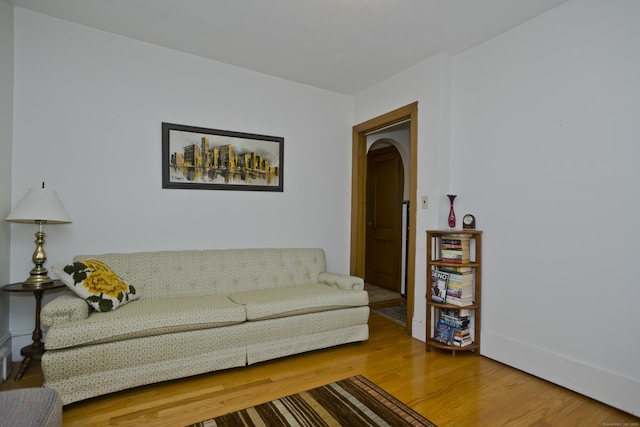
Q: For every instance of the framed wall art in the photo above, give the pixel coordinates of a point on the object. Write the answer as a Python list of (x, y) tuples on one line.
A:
[(212, 159)]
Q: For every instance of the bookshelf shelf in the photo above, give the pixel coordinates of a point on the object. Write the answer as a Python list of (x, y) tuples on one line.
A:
[(471, 240), (453, 307)]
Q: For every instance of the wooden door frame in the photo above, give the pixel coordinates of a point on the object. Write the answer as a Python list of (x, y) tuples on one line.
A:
[(359, 192)]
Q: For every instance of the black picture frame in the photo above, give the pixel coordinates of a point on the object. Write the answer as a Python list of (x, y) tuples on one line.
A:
[(233, 160)]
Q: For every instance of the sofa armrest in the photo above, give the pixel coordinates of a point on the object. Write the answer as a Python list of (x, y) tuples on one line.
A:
[(342, 281), (65, 308)]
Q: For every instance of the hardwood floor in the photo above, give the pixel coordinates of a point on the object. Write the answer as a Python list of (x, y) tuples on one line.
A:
[(461, 391)]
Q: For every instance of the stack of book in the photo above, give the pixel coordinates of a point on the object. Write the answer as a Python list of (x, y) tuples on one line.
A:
[(455, 248), (457, 324), (462, 338), (459, 285), (459, 319)]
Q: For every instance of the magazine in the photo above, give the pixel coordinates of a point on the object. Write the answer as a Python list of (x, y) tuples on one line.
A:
[(439, 281), (444, 334)]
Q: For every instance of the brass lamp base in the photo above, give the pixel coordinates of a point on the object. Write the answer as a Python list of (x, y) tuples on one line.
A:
[(38, 276)]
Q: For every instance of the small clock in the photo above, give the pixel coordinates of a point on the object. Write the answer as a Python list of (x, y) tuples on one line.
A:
[(469, 221)]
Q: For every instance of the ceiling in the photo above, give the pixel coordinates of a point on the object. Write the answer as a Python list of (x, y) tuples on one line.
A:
[(344, 46)]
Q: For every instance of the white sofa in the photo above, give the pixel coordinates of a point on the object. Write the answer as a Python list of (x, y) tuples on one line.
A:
[(199, 311)]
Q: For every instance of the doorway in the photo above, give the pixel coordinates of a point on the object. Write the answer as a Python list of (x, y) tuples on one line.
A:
[(359, 195)]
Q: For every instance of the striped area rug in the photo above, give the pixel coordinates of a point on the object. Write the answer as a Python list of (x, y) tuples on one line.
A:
[(354, 401)]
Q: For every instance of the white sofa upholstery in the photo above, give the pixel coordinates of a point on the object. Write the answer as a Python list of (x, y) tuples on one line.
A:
[(199, 311)]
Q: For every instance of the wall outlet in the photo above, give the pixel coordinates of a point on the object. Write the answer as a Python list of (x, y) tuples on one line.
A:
[(425, 202)]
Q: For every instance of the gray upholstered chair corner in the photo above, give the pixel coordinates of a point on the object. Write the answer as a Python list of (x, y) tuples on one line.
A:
[(30, 407)]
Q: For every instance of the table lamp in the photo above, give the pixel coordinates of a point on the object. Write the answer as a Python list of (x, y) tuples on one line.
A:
[(39, 206)]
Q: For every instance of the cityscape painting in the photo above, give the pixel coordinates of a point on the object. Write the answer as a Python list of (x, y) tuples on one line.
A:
[(212, 159)]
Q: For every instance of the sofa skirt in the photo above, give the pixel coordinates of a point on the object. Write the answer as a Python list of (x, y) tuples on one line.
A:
[(87, 371)]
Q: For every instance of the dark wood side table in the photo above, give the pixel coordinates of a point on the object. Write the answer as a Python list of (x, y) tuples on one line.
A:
[(36, 349)]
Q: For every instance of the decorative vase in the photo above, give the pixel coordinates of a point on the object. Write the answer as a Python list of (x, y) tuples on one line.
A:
[(452, 214)]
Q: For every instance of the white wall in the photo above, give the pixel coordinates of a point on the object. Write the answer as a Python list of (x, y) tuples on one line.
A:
[(545, 149), (88, 112), (6, 135)]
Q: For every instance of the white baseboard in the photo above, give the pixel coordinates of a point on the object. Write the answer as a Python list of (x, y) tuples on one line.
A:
[(19, 339), (5, 363), (592, 381), (419, 329), (5, 338), (5, 356)]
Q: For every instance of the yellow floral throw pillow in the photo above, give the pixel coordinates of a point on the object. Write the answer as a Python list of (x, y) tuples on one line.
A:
[(94, 281)]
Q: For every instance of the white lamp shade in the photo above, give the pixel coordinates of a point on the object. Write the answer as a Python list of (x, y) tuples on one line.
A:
[(39, 204)]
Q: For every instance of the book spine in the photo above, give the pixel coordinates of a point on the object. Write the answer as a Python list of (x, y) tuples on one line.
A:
[(455, 261), (454, 301)]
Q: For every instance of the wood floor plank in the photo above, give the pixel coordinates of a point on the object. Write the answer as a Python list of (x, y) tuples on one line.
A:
[(461, 391)]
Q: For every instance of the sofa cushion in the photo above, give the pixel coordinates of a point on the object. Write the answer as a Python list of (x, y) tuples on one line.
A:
[(146, 317), (96, 283), (293, 300)]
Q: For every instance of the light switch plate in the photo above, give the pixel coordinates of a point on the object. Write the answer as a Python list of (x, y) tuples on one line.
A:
[(425, 202)]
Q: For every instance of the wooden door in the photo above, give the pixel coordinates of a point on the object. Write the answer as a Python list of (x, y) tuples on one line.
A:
[(385, 185)]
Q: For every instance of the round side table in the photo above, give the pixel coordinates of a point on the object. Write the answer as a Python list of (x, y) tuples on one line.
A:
[(36, 349)]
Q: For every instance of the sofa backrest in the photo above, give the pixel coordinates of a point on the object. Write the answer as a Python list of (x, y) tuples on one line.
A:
[(214, 271)]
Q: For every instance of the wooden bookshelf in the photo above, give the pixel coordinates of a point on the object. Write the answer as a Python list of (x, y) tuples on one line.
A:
[(435, 309)]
